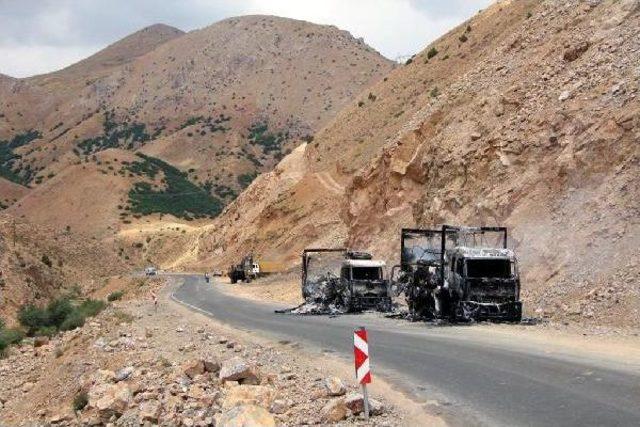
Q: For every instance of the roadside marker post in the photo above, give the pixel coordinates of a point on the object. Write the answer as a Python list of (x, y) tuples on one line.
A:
[(363, 370)]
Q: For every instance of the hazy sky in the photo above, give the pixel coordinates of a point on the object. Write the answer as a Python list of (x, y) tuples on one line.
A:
[(38, 36)]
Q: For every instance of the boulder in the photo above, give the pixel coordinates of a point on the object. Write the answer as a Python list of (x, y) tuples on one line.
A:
[(246, 416), (279, 406), (335, 386), (150, 411), (237, 369), (193, 368), (355, 403), (40, 341), (110, 399), (124, 373), (258, 395), (212, 366), (575, 51), (334, 411)]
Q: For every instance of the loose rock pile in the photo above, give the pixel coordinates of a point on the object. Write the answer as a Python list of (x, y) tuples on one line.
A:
[(145, 370)]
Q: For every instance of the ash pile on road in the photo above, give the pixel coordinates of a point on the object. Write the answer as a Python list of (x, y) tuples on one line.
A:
[(321, 297), (321, 287)]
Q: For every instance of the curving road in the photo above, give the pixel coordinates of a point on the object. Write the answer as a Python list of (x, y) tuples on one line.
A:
[(475, 379)]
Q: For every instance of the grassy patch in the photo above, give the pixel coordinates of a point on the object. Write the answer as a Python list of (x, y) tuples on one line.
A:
[(123, 317), (179, 197), (115, 296)]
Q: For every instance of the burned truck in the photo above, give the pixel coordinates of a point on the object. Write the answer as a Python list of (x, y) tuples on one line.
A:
[(459, 273), (339, 280)]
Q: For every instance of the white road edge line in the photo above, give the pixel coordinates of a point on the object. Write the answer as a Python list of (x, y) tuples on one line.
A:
[(191, 306)]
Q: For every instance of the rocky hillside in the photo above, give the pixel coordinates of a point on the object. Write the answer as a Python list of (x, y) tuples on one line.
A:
[(209, 110), (526, 115), (38, 263)]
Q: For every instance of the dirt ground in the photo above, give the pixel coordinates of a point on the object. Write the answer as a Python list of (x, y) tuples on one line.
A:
[(41, 382)]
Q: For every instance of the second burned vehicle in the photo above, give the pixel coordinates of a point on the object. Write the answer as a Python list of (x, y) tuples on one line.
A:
[(459, 273), (339, 280)]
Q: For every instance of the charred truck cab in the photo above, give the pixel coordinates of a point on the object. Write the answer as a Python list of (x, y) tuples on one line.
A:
[(363, 284), (458, 273), (345, 280), (483, 283)]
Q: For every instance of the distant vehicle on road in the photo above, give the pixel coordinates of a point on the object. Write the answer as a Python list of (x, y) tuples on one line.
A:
[(150, 271), (246, 271)]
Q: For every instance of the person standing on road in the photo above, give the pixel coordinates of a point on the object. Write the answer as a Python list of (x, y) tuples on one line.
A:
[(206, 277)]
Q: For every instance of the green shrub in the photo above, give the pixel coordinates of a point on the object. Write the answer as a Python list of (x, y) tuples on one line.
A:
[(432, 52), (115, 296), (9, 337), (46, 331), (73, 321), (58, 310), (61, 314), (80, 401), (32, 318), (91, 307)]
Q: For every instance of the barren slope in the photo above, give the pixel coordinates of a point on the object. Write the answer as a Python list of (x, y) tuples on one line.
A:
[(526, 116), (221, 104), (38, 263)]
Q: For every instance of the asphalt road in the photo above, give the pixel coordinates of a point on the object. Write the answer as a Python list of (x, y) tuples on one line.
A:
[(476, 381)]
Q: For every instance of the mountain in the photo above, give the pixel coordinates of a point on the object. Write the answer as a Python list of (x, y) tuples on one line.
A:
[(524, 116), (205, 112)]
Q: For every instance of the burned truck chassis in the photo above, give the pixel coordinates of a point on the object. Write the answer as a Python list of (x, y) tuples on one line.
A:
[(344, 292), (436, 285)]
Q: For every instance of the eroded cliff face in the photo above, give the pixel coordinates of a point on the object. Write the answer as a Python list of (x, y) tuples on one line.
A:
[(542, 136)]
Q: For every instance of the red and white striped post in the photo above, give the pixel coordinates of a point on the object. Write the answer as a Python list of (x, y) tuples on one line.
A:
[(363, 371)]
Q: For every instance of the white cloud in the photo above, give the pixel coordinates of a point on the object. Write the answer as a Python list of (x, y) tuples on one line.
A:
[(38, 36), (394, 27), (24, 61)]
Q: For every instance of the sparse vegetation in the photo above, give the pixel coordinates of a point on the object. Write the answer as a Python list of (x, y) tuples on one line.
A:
[(435, 92), (123, 135), (8, 337), (270, 142), (61, 314), (8, 157), (432, 52), (179, 197), (246, 178), (463, 38), (115, 296)]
